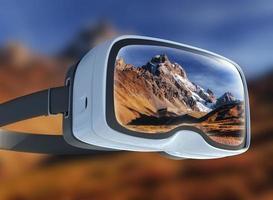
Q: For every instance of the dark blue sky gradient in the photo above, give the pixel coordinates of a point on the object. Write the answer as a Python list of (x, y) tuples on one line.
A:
[(238, 29)]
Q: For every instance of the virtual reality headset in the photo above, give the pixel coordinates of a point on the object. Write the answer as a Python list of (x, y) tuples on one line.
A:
[(143, 94)]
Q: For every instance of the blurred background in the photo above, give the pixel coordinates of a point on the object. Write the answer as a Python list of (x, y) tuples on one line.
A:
[(39, 40)]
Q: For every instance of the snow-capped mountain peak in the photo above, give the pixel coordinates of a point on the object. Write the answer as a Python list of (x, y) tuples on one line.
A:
[(226, 98), (193, 94), (169, 82)]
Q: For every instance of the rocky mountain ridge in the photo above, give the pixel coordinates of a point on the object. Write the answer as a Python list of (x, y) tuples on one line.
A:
[(166, 88)]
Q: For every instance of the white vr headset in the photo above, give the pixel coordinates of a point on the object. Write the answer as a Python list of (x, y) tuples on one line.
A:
[(142, 94)]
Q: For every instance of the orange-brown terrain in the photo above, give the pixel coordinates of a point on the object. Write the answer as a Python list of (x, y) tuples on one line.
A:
[(158, 97), (126, 176)]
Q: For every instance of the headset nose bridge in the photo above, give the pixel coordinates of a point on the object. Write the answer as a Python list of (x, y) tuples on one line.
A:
[(192, 145)]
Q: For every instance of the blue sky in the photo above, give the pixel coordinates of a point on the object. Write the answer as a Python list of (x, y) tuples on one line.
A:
[(238, 29), (217, 75)]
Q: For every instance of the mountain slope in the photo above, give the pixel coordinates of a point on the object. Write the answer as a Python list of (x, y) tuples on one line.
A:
[(158, 88)]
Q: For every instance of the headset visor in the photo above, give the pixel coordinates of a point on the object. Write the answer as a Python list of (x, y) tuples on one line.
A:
[(158, 90)]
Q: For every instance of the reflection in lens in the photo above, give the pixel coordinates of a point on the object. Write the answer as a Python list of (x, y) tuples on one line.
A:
[(157, 89)]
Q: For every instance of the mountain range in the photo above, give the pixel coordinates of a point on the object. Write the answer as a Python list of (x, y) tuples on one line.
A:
[(161, 89)]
